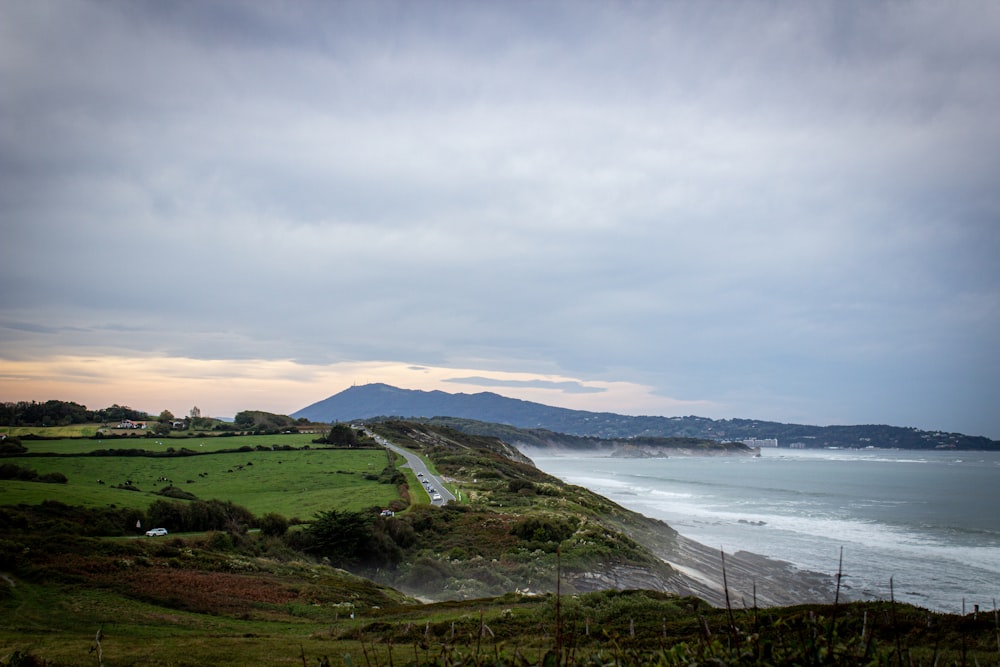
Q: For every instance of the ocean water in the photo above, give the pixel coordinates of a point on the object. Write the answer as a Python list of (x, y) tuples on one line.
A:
[(929, 521)]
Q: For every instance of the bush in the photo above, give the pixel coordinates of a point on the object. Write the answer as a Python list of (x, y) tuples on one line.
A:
[(174, 492), (9, 470), (273, 524), (521, 486), (200, 515), (14, 471), (27, 475), (543, 529), (12, 445), (220, 541)]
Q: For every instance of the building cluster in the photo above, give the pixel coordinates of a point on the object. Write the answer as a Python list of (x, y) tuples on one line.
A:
[(760, 442)]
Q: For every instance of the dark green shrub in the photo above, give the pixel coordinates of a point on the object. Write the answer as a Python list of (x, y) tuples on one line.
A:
[(12, 445), (220, 541), (273, 524), (521, 486), (339, 536), (165, 514), (9, 470), (174, 492), (543, 529)]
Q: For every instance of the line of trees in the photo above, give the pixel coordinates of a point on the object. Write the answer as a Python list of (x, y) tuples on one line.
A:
[(64, 413), (14, 471)]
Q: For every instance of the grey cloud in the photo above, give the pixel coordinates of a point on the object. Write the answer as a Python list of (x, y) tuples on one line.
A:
[(29, 327), (565, 387), (714, 200)]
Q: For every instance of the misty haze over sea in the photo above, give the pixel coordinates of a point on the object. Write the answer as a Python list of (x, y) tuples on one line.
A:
[(926, 519)]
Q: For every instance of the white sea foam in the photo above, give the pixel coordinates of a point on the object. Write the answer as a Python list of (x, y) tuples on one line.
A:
[(925, 521)]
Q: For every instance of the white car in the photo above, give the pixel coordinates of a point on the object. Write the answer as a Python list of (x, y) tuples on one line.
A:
[(155, 532)]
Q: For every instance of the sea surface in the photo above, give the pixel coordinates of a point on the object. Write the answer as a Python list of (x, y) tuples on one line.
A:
[(929, 521)]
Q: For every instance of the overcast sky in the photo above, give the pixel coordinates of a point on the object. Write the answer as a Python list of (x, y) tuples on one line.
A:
[(771, 210)]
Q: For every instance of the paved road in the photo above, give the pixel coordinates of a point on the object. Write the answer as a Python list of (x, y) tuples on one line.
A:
[(432, 483)]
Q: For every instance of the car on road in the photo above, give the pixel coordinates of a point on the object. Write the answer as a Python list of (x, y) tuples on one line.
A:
[(437, 496), (156, 532)]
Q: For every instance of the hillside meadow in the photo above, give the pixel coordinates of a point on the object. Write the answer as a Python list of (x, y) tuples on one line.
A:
[(260, 474), (234, 597), (68, 431), (56, 442)]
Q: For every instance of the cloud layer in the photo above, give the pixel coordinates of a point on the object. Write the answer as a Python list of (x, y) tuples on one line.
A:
[(771, 210)]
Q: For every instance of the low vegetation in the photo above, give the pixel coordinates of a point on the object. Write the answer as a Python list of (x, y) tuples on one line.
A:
[(281, 551)]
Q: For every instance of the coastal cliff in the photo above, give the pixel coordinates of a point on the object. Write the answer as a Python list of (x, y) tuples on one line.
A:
[(522, 529)]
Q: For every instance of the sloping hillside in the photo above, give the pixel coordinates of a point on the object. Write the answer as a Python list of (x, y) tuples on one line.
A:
[(642, 446), (520, 525)]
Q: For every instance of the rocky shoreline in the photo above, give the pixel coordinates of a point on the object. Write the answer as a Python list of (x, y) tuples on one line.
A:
[(752, 579), (697, 570)]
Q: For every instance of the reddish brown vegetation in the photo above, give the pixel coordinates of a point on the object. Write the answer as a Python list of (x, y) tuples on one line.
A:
[(206, 592)]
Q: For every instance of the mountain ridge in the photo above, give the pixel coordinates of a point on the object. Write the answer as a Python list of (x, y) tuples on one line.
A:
[(382, 400)]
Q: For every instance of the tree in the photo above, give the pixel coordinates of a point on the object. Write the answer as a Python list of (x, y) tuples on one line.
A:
[(342, 435), (116, 413), (12, 411), (343, 537), (195, 413), (166, 514), (244, 419), (165, 416)]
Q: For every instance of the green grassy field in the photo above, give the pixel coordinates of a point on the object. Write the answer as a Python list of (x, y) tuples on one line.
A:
[(295, 483), (77, 445), (71, 431)]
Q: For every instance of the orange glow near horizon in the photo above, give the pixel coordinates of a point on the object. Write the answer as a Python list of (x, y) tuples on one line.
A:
[(221, 388)]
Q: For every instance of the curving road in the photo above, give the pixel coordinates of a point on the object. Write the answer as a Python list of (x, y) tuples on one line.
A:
[(433, 484)]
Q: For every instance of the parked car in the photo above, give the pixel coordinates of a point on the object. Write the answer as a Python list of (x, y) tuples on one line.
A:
[(154, 532)]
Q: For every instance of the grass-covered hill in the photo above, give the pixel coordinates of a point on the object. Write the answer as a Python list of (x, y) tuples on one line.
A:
[(600, 544), (280, 552), (551, 441)]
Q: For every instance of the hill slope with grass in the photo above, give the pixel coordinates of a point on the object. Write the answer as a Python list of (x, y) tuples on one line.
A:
[(523, 568), (516, 527)]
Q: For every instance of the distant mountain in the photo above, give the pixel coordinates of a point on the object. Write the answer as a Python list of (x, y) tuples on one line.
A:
[(382, 400)]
